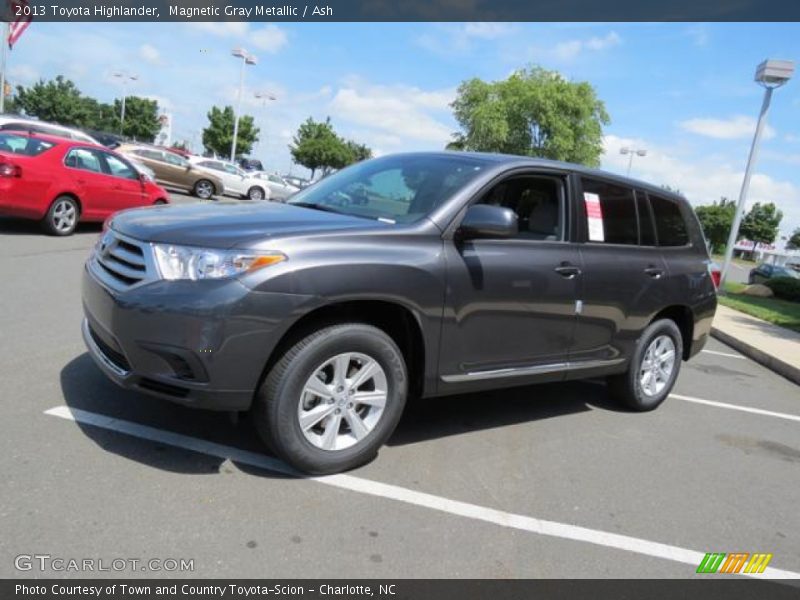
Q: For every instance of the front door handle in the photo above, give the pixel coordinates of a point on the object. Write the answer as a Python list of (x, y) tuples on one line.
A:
[(654, 272), (568, 271)]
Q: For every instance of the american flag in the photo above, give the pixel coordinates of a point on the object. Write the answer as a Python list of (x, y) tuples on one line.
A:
[(18, 23)]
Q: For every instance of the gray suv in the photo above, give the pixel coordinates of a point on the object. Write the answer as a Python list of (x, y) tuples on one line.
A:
[(419, 275)]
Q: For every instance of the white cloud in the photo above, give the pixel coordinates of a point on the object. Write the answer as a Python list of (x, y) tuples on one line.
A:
[(221, 28), (698, 34), (270, 38), (394, 115), (488, 31), (738, 127), (570, 49), (149, 54), (702, 181), (22, 75)]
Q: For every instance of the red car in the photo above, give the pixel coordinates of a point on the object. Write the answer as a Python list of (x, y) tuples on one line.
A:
[(59, 181)]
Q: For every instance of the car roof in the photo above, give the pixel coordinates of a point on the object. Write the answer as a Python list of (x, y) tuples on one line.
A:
[(48, 137), (512, 160)]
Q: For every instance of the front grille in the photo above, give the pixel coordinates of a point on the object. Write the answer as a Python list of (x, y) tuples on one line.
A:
[(123, 262), (116, 358)]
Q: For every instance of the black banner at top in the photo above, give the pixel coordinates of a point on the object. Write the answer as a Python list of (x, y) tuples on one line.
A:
[(403, 10)]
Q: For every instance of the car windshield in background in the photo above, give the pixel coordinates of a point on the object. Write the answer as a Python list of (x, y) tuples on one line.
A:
[(399, 189), (22, 144)]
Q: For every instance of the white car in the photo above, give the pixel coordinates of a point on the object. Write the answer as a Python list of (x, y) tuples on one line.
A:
[(278, 186), (16, 123), (237, 181)]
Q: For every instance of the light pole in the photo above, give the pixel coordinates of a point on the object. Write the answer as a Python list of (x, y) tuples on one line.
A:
[(631, 152), (125, 77), (247, 59), (264, 97), (770, 74)]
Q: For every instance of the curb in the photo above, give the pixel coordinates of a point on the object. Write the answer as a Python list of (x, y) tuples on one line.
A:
[(770, 361)]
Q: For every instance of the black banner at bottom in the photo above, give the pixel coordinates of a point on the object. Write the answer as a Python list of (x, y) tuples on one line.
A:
[(400, 589)]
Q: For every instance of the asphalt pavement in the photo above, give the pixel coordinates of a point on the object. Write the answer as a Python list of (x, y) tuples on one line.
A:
[(546, 481)]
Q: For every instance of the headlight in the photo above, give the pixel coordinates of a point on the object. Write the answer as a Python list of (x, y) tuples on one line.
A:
[(187, 262)]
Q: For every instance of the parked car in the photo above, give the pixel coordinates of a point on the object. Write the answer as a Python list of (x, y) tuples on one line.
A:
[(251, 164), (17, 123), (279, 188), (109, 140), (766, 271), (420, 274), (297, 182), (60, 182), (236, 181), (172, 170)]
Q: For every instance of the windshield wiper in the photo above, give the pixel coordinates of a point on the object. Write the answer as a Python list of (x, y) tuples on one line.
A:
[(315, 206)]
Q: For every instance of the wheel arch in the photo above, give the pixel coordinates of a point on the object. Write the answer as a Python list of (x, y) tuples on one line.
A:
[(398, 321), (683, 317)]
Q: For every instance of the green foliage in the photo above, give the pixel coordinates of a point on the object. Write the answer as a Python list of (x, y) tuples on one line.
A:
[(218, 136), (794, 240), (60, 101), (141, 118), (786, 288), (317, 146), (532, 113), (761, 223), (716, 219)]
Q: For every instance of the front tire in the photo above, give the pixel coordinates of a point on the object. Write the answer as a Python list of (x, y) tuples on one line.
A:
[(255, 193), (653, 369), (62, 216), (204, 189), (333, 399)]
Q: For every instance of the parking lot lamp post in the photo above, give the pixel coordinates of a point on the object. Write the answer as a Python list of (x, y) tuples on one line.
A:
[(125, 77), (247, 59), (264, 97), (631, 152), (770, 74)]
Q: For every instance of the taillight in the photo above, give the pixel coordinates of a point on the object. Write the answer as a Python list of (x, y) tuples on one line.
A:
[(9, 170), (715, 273)]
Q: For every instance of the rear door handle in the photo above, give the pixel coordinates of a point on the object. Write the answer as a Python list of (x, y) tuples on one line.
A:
[(568, 271), (654, 272)]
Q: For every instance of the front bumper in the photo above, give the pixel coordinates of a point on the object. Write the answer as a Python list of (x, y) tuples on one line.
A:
[(199, 343)]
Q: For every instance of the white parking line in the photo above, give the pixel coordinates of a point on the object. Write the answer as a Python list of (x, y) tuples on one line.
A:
[(747, 409), (739, 356), (405, 495)]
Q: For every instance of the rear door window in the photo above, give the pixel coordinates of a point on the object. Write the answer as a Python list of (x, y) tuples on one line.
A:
[(670, 226), (84, 159), (610, 213)]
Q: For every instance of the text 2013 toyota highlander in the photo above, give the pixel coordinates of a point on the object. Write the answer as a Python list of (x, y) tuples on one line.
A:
[(418, 274)]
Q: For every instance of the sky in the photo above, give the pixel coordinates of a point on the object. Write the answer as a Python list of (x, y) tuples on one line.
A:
[(682, 91)]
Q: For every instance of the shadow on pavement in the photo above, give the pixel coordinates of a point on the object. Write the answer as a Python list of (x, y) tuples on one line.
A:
[(12, 226), (84, 387)]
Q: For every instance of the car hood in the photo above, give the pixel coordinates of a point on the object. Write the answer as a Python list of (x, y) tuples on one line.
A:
[(225, 225)]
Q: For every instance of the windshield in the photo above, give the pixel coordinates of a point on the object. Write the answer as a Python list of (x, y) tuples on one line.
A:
[(399, 189)]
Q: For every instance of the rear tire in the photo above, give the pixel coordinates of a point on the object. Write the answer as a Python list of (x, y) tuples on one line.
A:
[(653, 369), (204, 189), (159, 202), (333, 399), (62, 216)]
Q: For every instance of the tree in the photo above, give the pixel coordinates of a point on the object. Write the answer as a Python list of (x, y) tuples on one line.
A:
[(533, 113), (218, 136), (58, 100), (317, 146), (761, 223), (716, 219), (141, 118), (794, 240)]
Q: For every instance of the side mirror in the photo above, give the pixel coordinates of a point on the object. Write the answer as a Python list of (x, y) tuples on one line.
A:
[(143, 178), (485, 221)]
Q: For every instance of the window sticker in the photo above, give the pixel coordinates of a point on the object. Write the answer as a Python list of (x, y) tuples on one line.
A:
[(594, 217)]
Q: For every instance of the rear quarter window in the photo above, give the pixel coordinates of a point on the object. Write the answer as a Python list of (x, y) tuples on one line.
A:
[(670, 224)]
